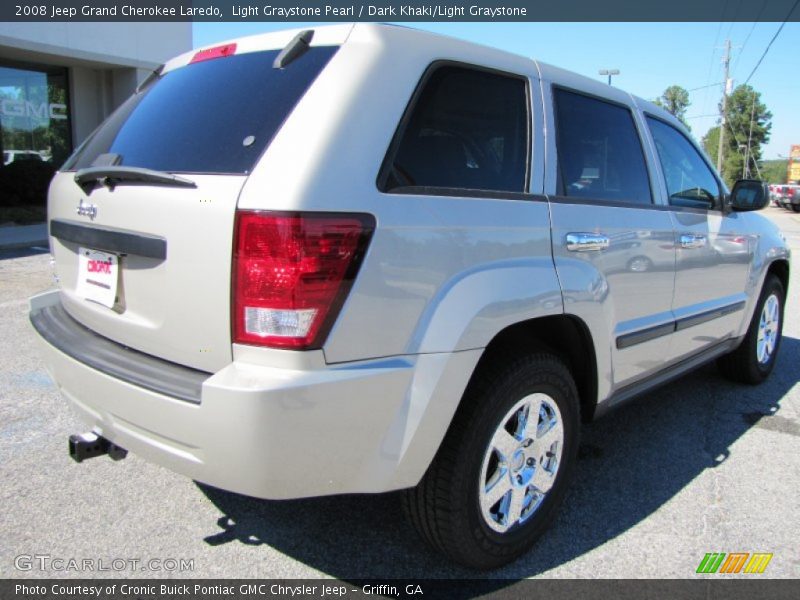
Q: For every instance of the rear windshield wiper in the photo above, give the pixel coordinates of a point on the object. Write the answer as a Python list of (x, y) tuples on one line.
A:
[(111, 175), (294, 49)]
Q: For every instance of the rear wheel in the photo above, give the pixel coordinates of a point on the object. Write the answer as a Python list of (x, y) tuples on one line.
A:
[(503, 468), (753, 360)]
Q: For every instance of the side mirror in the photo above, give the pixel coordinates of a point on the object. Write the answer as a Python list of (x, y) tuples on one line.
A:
[(749, 194)]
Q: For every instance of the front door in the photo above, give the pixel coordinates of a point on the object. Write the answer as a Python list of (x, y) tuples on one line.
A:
[(713, 255)]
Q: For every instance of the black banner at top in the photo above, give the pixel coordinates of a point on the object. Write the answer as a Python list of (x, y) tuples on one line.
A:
[(399, 10)]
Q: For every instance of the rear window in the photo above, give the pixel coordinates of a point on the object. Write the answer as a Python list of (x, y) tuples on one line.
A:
[(214, 116)]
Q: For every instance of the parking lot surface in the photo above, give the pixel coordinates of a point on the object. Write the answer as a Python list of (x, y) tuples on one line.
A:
[(701, 465)]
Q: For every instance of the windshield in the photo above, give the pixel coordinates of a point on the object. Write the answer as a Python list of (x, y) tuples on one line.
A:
[(214, 116)]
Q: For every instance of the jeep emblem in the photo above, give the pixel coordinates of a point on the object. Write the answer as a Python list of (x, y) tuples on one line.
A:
[(86, 210)]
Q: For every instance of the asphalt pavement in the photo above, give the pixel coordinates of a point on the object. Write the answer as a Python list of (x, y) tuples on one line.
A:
[(702, 465)]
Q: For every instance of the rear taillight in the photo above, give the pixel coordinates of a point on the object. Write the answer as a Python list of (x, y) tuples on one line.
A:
[(292, 273)]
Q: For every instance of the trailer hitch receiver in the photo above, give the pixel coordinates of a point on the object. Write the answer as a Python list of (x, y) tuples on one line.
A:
[(83, 446)]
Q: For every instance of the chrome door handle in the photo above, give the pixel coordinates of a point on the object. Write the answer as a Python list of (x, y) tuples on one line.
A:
[(586, 242), (689, 240)]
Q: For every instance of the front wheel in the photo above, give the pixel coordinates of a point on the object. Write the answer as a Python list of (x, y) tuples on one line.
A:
[(754, 359), (640, 264), (504, 466)]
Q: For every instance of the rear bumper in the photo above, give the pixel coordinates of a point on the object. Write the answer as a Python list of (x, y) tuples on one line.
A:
[(268, 432)]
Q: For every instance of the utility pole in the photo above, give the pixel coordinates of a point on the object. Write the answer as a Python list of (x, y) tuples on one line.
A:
[(726, 61)]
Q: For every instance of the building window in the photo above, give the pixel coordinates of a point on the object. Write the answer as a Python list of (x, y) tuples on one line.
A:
[(34, 114), (35, 137)]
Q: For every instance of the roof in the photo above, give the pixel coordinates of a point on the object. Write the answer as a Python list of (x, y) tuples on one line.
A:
[(439, 45)]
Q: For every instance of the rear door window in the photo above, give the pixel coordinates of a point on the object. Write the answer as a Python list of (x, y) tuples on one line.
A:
[(213, 116), (467, 129), (599, 150)]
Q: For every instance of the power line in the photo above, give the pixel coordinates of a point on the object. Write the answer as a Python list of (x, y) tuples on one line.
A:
[(713, 54), (758, 64), (702, 116), (755, 22), (702, 87), (747, 39), (733, 18)]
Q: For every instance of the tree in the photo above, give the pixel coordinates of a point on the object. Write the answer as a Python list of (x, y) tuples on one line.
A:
[(711, 143), (775, 171), (675, 100), (748, 127)]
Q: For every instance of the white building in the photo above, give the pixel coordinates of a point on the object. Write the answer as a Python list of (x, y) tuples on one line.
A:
[(58, 81)]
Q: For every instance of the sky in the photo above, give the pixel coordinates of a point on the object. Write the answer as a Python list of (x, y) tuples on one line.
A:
[(650, 57)]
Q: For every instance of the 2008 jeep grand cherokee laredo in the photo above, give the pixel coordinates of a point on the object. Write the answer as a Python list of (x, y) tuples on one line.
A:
[(365, 258)]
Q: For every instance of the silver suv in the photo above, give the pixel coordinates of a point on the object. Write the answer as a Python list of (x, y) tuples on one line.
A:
[(366, 258)]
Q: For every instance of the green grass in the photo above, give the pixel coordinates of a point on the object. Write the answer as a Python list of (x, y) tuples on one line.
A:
[(23, 215)]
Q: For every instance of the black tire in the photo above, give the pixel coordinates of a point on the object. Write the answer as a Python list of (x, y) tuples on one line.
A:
[(796, 208), (743, 364), (446, 505)]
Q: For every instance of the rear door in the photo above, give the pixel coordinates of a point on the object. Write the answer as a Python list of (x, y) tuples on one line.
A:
[(145, 260), (613, 246)]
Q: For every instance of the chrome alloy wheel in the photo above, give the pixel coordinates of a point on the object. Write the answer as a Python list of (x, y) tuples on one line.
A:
[(768, 327), (521, 462)]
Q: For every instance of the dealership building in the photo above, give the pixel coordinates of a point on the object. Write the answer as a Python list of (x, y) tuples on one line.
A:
[(58, 81)]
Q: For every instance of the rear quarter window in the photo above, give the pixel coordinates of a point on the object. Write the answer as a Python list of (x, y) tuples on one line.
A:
[(214, 116), (467, 128)]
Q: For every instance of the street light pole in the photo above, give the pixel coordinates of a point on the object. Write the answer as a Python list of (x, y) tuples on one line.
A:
[(608, 72)]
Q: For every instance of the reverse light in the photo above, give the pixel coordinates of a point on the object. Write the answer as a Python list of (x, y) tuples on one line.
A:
[(292, 273)]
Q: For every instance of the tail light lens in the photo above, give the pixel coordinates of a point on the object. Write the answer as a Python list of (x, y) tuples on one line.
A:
[(292, 273), (215, 52)]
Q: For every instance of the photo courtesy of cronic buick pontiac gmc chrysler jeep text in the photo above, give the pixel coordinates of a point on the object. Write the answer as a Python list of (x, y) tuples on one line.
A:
[(365, 258)]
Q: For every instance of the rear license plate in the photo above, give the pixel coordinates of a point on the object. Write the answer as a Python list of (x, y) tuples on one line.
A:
[(97, 276)]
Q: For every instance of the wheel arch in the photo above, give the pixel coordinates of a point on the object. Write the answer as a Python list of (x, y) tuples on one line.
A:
[(780, 268), (566, 336)]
